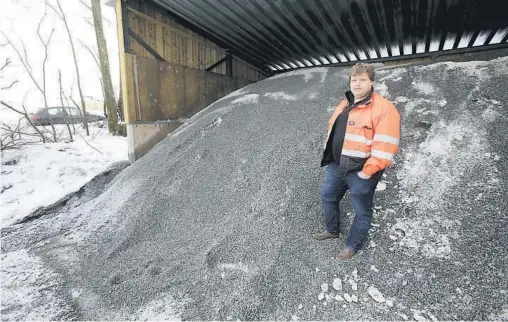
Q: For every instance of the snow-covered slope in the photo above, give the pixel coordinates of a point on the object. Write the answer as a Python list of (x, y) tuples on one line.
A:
[(216, 221), (38, 175)]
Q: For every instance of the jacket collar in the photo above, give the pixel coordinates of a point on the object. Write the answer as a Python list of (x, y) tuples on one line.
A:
[(363, 103)]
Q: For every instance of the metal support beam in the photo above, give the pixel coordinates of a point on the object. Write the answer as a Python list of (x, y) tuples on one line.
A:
[(145, 45)]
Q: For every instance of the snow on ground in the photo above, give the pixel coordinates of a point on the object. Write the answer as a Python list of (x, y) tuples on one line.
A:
[(282, 95), (27, 282), (41, 174), (247, 98)]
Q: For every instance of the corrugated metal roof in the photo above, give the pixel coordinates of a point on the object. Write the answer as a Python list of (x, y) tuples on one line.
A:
[(285, 34)]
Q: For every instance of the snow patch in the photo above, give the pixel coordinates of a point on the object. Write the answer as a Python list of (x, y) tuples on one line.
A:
[(382, 89), (375, 294), (394, 74), (499, 316), (424, 88), (491, 115), (400, 99), (29, 289), (381, 186), (45, 173), (337, 284), (248, 98), (164, 308), (238, 267), (282, 95)]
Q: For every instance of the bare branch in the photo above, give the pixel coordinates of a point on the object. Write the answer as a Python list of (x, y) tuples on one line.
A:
[(55, 10), (83, 104), (25, 114), (8, 87), (7, 63), (11, 108), (63, 106), (85, 4), (91, 53), (89, 143), (24, 62), (26, 56), (89, 22), (91, 9)]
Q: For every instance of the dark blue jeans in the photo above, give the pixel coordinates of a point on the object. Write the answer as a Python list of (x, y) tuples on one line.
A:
[(362, 196)]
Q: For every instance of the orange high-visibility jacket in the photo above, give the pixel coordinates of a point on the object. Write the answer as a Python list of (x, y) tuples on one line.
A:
[(372, 133)]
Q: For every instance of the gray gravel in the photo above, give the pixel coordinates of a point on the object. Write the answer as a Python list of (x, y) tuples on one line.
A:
[(215, 223)]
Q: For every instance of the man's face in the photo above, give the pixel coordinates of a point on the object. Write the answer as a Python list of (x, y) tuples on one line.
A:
[(361, 85)]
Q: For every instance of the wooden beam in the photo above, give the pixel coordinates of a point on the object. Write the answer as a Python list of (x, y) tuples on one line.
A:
[(177, 31), (145, 45), (216, 64), (124, 75)]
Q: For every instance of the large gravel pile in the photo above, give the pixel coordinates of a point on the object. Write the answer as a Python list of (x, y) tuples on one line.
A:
[(216, 221)]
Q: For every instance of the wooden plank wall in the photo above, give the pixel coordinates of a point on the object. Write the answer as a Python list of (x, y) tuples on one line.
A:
[(162, 91), (178, 45)]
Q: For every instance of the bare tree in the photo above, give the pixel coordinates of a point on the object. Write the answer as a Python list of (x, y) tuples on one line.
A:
[(63, 106), (99, 67), (60, 13), (25, 115), (28, 68), (5, 65), (109, 96)]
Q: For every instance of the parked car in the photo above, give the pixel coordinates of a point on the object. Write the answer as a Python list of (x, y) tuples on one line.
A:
[(62, 115)]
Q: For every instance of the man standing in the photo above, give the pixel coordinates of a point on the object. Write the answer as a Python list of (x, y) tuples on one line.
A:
[(363, 138)]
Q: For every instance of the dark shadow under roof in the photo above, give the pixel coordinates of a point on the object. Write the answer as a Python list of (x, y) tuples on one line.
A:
[(285, 34)]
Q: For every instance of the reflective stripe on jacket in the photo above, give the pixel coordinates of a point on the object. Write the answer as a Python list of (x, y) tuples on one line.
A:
[(372, 135)]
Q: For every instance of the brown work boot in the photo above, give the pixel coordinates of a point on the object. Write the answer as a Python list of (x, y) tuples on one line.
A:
[(346, 253), (325, 235)]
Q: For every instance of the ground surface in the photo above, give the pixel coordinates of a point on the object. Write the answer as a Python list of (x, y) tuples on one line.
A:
[(215, 222), (38, 175)]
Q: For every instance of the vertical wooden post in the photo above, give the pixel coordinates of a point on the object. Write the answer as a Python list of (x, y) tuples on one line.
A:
[(123, 46)]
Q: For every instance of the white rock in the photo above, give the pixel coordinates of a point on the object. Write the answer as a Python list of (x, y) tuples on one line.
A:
[(317, 269), (324, 287), (321, 296), (354, 286), (389, 303), (375, 294), (372, 244), (337, 284), (404, 283), (372, 267), (393, 237), (344, 305), (354, 298), (339, 298), (417, 315), (300, 306), (402, 315), (348, 298), (294, 318), (355, 274)]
